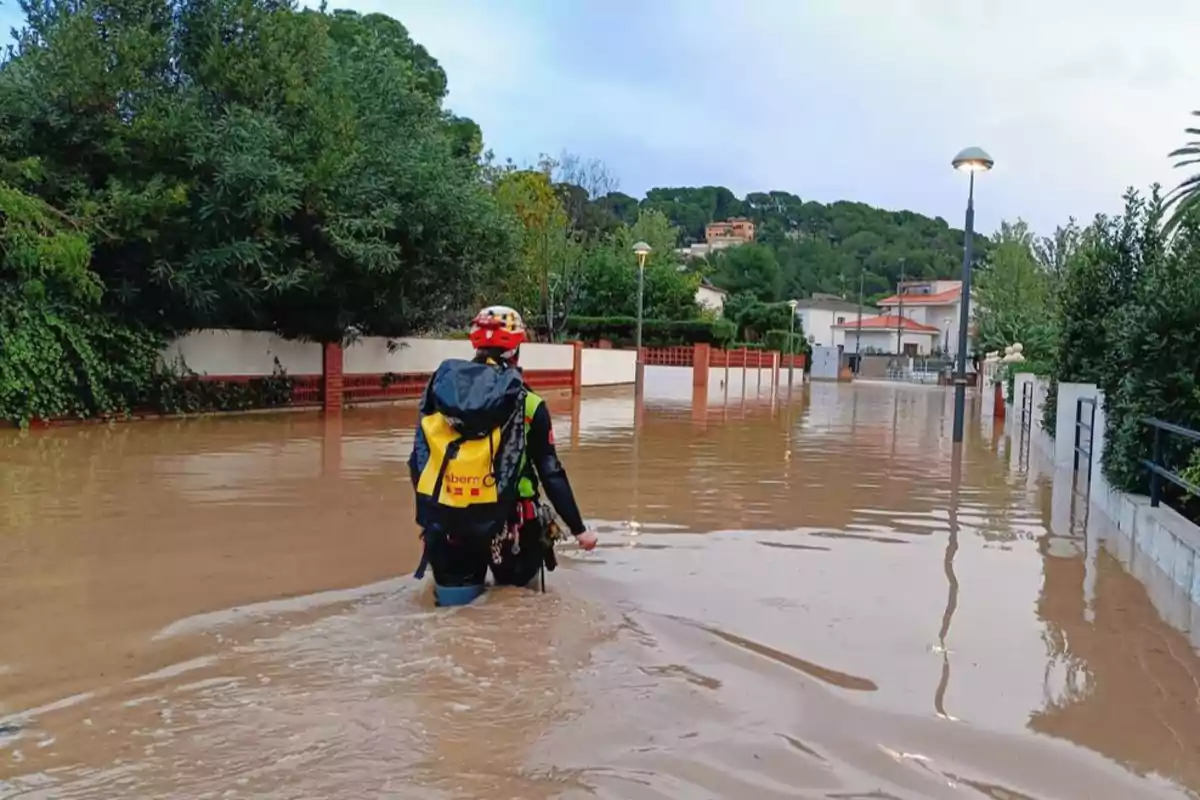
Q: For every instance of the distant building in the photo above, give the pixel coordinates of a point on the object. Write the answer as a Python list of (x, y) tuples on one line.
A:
[(819, 314), (719, 235), (738, 229), (935, 304), (710, 297), (882, 334)]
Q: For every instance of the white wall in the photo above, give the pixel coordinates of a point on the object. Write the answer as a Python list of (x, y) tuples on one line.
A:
[(710, 298), (818, 324), (916, 313), (227, 353), (547, 356), (370, 356), (608, 367), (945, 319), (251, 353)]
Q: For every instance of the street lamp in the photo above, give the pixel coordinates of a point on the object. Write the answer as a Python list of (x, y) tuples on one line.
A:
[(791, 341), (971, 160), (641, 250)]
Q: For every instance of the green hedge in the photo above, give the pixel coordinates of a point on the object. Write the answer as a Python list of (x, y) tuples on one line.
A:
[(622, 331), (786, 342)]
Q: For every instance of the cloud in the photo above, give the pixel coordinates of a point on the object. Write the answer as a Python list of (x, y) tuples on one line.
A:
[(835, 99), (831, 99)]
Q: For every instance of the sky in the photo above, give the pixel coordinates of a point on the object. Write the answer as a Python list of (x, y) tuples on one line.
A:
[(864, 100)]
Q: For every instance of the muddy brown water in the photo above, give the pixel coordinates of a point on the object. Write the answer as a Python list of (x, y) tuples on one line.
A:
[(795, 597)]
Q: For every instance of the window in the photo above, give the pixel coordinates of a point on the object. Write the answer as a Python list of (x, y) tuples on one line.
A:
[(841, 321)]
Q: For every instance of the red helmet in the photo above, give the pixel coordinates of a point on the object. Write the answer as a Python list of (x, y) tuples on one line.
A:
[(498, 327)]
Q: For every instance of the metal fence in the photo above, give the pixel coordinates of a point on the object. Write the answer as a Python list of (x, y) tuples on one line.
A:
[(1080, 427), (1156, 465)]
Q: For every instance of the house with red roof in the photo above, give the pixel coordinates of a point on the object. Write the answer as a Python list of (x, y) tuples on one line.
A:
[(882, 334), (920, 319)]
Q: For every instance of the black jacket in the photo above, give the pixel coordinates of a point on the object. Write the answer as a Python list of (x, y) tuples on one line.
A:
[(543, 455)]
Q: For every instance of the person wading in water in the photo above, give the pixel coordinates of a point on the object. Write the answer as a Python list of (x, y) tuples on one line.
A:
[(484, 447)]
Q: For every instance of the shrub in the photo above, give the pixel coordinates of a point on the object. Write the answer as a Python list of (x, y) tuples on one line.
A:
[(1158, 357), (655, 332)]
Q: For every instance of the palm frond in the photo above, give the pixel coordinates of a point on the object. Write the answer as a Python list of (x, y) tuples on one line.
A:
[(1184, 197)]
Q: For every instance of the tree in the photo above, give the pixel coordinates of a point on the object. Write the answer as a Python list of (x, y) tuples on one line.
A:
[(1186, 195), (609, 284), (546, 282), (748, 268), (579, 182), (592, 175), (754, 318), (1014, 296), (249, 165), (822, 248), (60, 355)]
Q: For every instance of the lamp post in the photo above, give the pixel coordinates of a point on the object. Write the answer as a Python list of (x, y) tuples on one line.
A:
[(791, 340), (971, 160), (641, 250)]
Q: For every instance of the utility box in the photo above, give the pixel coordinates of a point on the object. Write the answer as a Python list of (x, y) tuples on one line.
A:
[(826, 363)]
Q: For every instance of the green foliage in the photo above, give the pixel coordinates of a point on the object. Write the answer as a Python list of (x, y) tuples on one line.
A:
[(191, 395), (1009, 372), (1050, 404), (817, 247), (754, 318), (1186, 196), (1155, 369), (249, 165), (786, 342), (1130, 320), (750, 268), (622, 331), (544, 282), (608, 285), (1015, 297), (58, 361)]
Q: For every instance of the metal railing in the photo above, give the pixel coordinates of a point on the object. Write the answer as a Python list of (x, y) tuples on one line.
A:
[(1026, 407), (1080, 427), (1158, 470)]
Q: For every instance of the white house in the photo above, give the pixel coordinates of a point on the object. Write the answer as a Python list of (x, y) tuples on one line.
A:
[(887, 333), (933, 304), (819, 314), (710, 297)]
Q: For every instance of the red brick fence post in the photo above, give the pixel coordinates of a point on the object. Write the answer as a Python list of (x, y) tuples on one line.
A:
[(701, 357), (332, 357)]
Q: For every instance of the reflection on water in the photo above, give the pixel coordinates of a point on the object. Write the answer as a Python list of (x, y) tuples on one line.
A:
[(804, 593)]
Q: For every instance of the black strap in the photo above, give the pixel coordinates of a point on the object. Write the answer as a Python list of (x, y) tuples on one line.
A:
[(451, 452)]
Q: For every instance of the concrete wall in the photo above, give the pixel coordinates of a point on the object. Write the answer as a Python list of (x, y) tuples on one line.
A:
[(370, 356), (251, 353), (1064, 432), (238, 353), (1148, 541), (608, 367)]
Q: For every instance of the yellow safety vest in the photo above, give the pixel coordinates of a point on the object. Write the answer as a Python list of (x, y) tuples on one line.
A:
[(525, 488)]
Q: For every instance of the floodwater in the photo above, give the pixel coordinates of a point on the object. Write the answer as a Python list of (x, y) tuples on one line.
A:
[(804, 596)]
